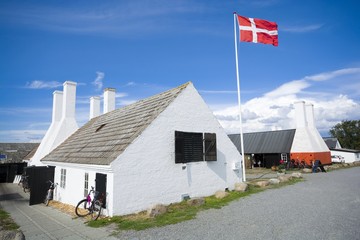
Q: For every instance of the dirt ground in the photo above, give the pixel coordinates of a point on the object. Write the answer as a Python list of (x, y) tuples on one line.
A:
[(65, 208)]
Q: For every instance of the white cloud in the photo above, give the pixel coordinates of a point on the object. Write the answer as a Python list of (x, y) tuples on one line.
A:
[(289, 88), (274, 110), (116, 18), (302, 29), (21, 135), (37, 84), (98, 82), (330, 75), (23, 110), (130, 84), (121, 95)]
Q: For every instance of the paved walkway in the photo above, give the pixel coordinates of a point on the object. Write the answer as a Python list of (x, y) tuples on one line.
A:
[(40, 222)]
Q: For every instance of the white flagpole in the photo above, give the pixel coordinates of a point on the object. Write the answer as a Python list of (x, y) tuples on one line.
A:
[(239, 102)]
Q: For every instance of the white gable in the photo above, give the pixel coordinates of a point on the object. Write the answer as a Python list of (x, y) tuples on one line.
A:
[(146, 173)]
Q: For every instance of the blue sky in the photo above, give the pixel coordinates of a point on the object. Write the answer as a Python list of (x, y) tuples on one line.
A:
[(142, 48)]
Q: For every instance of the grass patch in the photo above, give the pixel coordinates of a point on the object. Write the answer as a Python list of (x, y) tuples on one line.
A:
[(179, 212), (6, 222)]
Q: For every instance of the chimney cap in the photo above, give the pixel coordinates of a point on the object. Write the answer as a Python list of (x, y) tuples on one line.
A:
[(58, 92), (109, 89), (95, 97), (69, 83)]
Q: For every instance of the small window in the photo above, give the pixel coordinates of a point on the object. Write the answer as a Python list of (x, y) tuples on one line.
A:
[(63, 178), (100, 127), (86, 184)]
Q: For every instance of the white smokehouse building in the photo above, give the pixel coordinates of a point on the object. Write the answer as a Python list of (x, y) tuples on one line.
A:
[(157, 150)]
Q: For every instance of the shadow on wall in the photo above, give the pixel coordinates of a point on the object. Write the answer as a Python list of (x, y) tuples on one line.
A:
[(188, 172), (219, 167)]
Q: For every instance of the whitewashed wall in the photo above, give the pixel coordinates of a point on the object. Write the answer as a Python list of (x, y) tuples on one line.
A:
[(349, 157), (146, 173), (75, 179)]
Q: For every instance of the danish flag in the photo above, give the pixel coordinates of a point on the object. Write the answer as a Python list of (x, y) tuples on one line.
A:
[(258, 31)]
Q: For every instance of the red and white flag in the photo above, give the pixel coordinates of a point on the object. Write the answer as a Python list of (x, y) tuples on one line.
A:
[(258, 31)]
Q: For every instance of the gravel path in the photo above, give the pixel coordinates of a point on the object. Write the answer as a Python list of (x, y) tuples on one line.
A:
[(325, 206)]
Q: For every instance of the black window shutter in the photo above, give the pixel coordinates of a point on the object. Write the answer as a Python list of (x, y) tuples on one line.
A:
[(179, 147), (193, 145), (210, 146)]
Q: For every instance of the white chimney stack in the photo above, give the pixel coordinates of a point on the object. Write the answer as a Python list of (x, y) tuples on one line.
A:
[(94, 107), (300, 114), (69, 99), (309, 109), (109, 100), (57, 106)]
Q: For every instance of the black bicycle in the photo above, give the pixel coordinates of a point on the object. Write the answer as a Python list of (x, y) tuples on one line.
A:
[(91, 205), (24, 181), (50, 193)]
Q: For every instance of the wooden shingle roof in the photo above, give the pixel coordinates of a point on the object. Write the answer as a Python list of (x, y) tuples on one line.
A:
[(104, 138), (32, 153)]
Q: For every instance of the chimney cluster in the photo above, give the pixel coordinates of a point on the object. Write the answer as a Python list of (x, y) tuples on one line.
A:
[(63, 118), (63, 122), (304, 114), (308, 144), (109, 103)]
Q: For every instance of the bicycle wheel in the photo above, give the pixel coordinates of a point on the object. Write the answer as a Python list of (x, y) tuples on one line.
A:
[(47, 198), (46, 202), (96, 210), (82, 208), (26, 189)]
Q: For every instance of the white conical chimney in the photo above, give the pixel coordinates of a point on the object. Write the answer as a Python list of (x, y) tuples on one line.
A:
[(67, 125), (109, 100), (43, 148), (94, 107), (308, 144)]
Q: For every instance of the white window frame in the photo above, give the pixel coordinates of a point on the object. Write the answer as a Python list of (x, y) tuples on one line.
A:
[(63, 178), (86, 184)]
